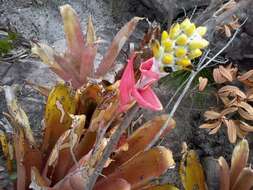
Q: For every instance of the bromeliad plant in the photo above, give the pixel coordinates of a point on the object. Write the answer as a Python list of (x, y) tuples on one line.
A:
[(84, 133)]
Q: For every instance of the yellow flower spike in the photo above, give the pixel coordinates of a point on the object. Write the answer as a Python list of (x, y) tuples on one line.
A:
[(185, 23), (201, 30), (156, 48), (174, 31), (195, 53), (165, 36), (190, 29), (184, 62), (180, 52), (200, 43), (182, 40), (168, 59), (168, 45)]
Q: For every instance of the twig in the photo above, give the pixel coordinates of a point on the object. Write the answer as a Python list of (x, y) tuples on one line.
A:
[(89, 183)]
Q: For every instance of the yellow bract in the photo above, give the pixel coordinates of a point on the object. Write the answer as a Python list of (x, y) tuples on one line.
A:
[(184, 62), (168, 59), (185, 23), (168, 45), (174, 31), (182, 40), (180, 52), (165, 36), (179, 46), (195, 53), (201, 30), (190, 29), (201, 43)]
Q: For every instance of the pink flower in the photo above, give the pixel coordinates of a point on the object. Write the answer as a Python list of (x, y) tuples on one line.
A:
[(141, 92)]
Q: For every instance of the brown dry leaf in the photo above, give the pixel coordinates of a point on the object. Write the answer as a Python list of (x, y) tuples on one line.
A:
[(231, 130), (224, 174), (228, 111), (218, 77), (57, 121), (191, 172), (246, 127), (211, 115), (245, 114), (202, 83), (215, 130), (209, 125), (247, 107), (116, 45), (239, 160), (226, 72), (247, 78), (229, 90)]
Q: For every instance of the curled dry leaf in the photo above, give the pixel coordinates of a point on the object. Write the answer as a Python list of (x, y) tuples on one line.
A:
[(211, 115), (233, 91), (224, 74), (202, 83), (247, 78), (246, 127), (231, 130)]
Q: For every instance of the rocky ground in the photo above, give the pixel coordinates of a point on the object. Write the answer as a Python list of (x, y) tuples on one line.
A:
[(40, 20)]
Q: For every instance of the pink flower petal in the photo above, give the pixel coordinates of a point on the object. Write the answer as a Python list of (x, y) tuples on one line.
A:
[(146, 98), (148, 76), (127, 84)]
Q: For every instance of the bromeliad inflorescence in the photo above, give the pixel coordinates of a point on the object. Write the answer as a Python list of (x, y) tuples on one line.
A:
[(179, 46)]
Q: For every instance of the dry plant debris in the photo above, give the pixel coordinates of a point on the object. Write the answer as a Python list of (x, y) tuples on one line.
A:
[(237, 112)]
